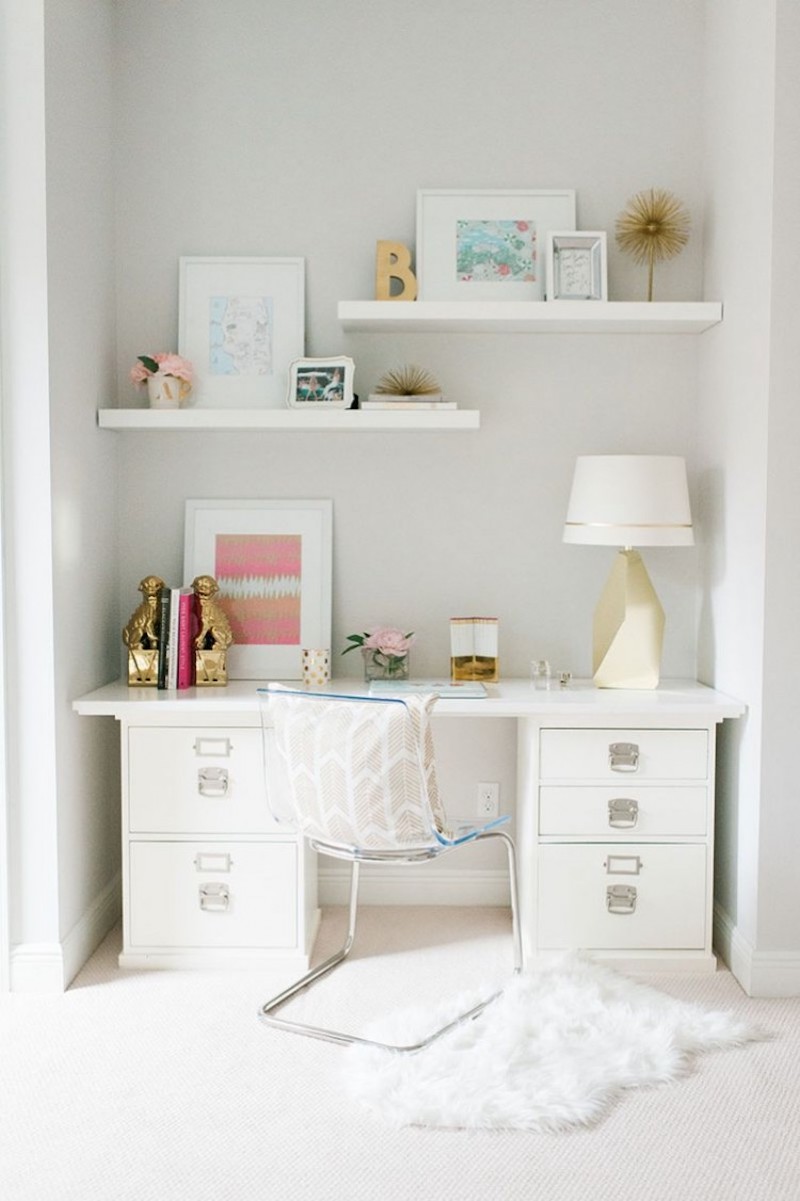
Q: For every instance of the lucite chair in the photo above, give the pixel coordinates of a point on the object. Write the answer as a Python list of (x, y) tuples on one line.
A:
[(357, 775)]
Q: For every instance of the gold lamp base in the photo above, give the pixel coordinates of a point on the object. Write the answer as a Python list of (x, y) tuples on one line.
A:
[(628, 630)]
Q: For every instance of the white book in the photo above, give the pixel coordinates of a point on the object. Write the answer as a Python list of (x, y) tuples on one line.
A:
[(448, 688), (376, 401), (172, 645)]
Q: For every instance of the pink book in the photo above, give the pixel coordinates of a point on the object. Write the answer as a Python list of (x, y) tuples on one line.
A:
[(186, 635)]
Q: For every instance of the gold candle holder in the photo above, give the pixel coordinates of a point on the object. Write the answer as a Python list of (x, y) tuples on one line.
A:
[(473, 649)]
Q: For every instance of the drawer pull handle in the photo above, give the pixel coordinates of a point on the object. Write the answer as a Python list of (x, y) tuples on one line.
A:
[(214, 898), (623, 812), (220, 747), (623, 756), (212, 781), (213, 861), (621, 898), (623, 865)]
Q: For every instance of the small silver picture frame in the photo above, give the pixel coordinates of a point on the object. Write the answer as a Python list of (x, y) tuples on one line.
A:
[(576, 265)]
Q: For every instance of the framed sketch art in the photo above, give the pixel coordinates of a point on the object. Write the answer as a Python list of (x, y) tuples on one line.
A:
[(241, 323), (272, 562), (324, 383), (486, 245), (576, 265)]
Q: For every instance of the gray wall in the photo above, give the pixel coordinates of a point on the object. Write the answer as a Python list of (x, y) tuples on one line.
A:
[(81, 294), (306, 130)]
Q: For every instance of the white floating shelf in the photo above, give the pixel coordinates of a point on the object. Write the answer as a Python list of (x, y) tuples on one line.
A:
[(530, 316), (351, 420)]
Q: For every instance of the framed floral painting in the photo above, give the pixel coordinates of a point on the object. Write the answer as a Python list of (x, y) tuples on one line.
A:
[(272, 562), (487, 245)]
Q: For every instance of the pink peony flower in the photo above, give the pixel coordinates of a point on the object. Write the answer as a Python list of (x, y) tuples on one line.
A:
[(389, 641), (167, 364), (174, 364), (139, 373)]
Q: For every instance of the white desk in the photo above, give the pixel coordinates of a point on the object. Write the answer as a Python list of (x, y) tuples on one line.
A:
[(615, 849)]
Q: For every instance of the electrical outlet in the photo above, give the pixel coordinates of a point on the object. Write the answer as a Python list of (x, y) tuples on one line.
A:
[(488, 799)]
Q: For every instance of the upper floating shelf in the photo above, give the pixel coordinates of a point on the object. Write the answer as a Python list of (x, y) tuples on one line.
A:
[(530, 316), (319, 420)]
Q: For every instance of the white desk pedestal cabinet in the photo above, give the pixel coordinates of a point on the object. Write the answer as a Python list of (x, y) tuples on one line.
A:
[(208, 878), (618, 830), (614, 825)]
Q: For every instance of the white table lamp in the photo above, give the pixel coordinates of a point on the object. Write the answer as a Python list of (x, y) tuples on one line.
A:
[(628, 501)]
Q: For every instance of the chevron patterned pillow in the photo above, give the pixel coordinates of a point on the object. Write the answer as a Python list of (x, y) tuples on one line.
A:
[(359, 773)]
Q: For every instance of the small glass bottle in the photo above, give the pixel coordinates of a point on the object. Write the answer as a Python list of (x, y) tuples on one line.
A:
[(540, 674)]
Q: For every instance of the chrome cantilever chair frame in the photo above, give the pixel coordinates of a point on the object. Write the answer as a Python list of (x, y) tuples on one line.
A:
[(440, 844)]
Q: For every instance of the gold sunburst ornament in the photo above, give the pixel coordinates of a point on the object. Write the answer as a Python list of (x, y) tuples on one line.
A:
[(408, 381), (654, 226)]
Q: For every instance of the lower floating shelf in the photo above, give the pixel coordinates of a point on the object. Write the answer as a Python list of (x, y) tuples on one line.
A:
[(351, 420)]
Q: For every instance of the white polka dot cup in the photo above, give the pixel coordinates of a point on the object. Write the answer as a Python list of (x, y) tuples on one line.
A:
[(316, 666)]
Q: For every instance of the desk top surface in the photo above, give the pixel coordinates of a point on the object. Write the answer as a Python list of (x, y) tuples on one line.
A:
[(509, 698)]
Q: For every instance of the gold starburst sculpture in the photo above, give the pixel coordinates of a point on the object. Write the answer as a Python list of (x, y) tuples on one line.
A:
[(654, 226), (408, 381)]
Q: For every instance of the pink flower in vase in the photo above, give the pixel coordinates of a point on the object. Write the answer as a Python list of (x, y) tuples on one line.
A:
[(389, 641)]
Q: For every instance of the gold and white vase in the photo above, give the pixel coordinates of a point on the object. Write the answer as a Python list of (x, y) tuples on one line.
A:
[(167, 391)]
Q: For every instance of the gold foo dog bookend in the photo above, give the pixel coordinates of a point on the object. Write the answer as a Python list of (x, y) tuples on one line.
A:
[(141, 635), (214, 636), (146, 642)]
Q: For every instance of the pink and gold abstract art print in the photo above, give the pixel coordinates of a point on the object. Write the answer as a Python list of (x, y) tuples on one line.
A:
[(260, 582)]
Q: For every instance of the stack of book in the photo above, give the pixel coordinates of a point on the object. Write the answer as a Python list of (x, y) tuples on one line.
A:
[(426, 400), (177, 629)]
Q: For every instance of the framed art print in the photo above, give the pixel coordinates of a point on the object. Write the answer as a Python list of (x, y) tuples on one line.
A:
[(576, 265), (486, 245), (326, 383), (272, 562), (241, 323)]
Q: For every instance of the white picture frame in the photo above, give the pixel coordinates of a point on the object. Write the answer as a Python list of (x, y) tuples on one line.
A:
[(272, 561), (577, 265), (486, 244), (323, 383), (241, 322)]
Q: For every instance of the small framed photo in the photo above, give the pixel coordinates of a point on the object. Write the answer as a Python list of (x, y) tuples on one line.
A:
[(577, 265), (272, 562), (324, 382), (241, 323), (486, 245)]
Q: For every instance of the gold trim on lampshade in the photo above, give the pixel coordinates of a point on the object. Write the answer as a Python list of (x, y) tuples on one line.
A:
[(629, 500)]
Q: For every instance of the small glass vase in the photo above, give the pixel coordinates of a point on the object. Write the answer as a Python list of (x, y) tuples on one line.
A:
[(378, 666)]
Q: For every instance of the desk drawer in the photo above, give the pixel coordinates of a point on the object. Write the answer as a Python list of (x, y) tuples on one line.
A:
[(185, 781), (624, 754), (662, 906), (623, 811), (197, 894)]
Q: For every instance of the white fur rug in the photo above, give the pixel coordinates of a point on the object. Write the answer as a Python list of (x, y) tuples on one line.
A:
[(555, 1050)]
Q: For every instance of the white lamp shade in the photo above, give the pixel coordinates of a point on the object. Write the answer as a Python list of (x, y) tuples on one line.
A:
[(629, 500)]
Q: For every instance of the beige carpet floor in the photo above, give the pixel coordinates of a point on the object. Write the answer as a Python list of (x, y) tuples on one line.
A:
[(163, 1086)]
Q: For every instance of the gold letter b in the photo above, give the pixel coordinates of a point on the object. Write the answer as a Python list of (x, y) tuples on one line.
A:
[(393, 261)]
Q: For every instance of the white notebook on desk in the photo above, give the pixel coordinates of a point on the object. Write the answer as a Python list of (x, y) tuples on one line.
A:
[(448, 688)]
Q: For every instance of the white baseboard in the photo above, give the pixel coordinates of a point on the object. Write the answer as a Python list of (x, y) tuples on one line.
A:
[(50, 967), (423, 885), (760, 973)]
